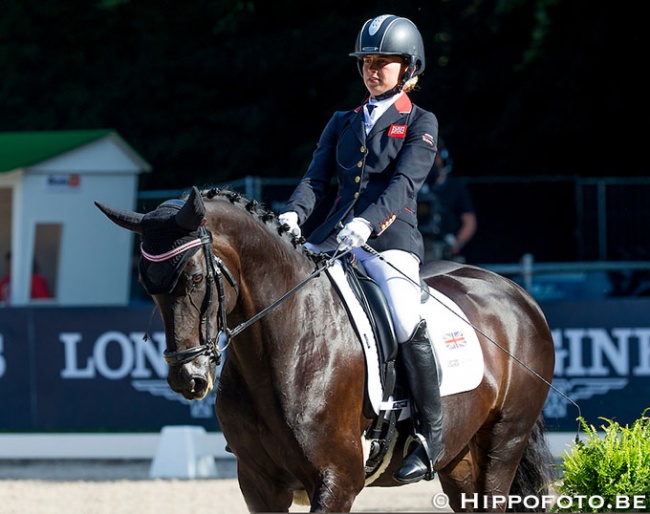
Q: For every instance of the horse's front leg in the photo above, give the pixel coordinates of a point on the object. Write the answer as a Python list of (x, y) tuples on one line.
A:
[(336, 491), (333, 489), (263, 493)]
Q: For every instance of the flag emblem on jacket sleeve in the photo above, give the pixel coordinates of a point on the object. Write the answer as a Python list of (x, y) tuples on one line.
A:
[(454, 340), (428, 139)]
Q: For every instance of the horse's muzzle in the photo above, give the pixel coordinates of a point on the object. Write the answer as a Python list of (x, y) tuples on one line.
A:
[(193, 380)]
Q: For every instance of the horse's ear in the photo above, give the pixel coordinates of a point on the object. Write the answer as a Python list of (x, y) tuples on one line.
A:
[(191, 215), (126, 219)]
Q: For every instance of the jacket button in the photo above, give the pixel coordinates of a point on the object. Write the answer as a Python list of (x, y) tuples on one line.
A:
[(359, 164), (357, 179), (362, 149), (356, 195)]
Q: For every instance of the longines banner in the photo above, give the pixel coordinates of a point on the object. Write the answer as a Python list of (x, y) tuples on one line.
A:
[(89, 369), (602, 361)]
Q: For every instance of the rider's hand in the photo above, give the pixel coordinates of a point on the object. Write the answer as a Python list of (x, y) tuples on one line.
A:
[(291, 220), (354, 234)]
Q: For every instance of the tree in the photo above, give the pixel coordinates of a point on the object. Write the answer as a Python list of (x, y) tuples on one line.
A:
[(210, 91)]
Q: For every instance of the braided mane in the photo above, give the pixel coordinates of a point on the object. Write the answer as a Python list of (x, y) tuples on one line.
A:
[(257, 209), (265, 215)]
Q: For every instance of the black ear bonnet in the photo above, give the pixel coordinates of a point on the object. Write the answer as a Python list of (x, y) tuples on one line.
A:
[(173, 224)]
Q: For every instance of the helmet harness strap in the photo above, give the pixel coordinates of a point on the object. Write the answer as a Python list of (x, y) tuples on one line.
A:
[(408, 74)]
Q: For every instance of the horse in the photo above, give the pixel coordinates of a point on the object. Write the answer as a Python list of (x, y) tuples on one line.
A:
[(228, 279)]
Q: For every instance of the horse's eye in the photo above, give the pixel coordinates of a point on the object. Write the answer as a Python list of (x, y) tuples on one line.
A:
[(197, 279)]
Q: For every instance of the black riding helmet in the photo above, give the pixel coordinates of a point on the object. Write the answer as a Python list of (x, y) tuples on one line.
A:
[(391, 35)]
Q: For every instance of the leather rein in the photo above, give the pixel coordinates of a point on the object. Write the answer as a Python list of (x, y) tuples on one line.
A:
[(216, 271)]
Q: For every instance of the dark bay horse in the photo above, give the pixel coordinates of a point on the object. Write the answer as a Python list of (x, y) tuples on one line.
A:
[(290, 399)]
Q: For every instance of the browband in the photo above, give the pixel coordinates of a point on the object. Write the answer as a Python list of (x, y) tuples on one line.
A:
[(171, 253)]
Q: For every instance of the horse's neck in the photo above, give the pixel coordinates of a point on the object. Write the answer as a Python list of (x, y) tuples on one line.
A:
[(261, 253), (265, 264)]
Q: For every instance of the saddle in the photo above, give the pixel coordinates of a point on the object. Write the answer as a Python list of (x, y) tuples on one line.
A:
[(380, 433)]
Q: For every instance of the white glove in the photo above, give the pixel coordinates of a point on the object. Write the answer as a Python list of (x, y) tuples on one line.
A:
[(291, 219), (354, 234)]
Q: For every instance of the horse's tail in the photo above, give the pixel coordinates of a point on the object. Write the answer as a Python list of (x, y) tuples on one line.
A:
[(536, 471)]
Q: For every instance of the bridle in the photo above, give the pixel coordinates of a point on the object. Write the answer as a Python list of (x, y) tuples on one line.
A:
[(216, 270)]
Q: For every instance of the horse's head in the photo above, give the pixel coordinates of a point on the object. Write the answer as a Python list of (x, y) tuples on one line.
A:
[(181, 280)]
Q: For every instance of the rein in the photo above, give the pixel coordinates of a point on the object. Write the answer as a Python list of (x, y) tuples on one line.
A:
[(216, 270), (243, 326)]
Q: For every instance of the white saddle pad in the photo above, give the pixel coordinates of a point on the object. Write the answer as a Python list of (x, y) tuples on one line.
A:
[(454, 341)]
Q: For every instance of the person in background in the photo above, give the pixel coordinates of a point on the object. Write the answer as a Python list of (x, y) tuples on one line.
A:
[(451, 218), (380, 154), (40, 289)]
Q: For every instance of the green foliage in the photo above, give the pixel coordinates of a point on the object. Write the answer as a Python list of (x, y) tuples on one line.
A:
[(614, 467), (213, 90)]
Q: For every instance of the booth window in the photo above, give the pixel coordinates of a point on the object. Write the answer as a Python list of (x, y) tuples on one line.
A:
[(47, 249)]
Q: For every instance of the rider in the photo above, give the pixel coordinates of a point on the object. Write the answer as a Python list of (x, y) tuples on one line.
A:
[(380, 154)]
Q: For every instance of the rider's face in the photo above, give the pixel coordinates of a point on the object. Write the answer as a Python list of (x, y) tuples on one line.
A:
[(382, 73)]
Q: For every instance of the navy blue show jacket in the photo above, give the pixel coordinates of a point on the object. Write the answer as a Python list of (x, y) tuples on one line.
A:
[(378, 176)]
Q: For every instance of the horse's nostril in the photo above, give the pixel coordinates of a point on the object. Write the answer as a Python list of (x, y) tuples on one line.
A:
[(199, 385)]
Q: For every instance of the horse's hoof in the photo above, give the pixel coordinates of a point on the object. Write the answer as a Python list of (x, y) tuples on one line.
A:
[(414, 468)]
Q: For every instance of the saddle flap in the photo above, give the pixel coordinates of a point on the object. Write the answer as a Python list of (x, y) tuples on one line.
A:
[(374, 303)]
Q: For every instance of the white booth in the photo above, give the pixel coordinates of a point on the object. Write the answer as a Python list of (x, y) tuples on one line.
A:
[(49, 181)]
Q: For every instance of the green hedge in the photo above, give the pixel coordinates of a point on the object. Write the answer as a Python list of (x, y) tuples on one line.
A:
[(607, 473)]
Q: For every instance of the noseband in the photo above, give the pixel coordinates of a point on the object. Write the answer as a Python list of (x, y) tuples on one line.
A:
[(216, 270)]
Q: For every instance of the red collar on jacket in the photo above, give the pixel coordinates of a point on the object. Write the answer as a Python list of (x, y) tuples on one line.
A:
[(402, 104)]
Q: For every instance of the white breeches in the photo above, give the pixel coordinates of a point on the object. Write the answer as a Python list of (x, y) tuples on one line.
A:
[(403, 296)]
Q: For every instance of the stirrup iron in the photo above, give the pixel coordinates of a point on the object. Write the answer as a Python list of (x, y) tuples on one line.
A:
[(419, 438)]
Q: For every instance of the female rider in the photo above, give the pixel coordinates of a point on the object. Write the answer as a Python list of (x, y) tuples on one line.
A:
[(380, 154)]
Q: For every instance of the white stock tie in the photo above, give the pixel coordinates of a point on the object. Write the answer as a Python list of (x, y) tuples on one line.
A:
[(370, 116)]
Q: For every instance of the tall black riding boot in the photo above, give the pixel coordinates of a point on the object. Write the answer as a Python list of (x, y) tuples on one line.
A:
[(422, 376)]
